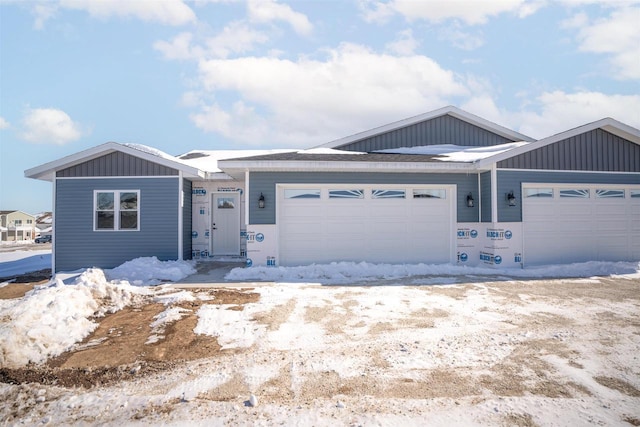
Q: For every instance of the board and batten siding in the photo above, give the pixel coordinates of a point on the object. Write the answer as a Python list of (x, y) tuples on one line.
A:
[(512, 181), (485, 194), (78, 246), (116, 164), (265, 183), (597, 150), (187, 218), (440, 130)]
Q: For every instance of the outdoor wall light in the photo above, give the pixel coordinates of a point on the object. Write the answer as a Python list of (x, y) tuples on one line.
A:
[(470, 200), (261, 201), (511, 198)]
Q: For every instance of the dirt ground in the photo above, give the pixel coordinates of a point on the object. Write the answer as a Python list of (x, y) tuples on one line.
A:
[(119, 351)]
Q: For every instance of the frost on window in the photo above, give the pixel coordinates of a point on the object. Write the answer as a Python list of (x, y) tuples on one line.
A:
[(294, 193), (388, 194), (575, 193), (430, 194), (346, 194), (610, 194), (538, 192)]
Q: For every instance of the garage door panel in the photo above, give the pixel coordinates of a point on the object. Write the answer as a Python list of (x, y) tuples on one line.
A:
[(580, 229), (366, 229)]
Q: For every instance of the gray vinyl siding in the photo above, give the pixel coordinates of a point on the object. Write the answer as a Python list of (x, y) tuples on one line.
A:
[(116, 164), (78, 246), (597, 150), (512, 180), (440, 130), (265, 183), (187, 219), (485, 194)]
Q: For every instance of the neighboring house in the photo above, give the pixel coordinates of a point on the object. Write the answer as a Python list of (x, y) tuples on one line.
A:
[(443, 187), (16, 226), (44, 224)]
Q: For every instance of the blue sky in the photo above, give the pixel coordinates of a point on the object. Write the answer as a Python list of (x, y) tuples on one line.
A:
[(220, 74)]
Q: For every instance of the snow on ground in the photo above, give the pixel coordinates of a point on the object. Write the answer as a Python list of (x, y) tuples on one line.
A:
[(501, 350), (21, 261), (53, 317)]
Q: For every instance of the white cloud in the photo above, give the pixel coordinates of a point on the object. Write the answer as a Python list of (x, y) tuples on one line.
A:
[(470, 12), (405, 44), (179, 48), (49, 126), (461, 39), (269, 10), (4, 124), (616, 35), (560, 111), (307, 100), (169, 12)]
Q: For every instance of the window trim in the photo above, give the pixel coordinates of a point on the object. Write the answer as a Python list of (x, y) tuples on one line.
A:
[(116, 210)]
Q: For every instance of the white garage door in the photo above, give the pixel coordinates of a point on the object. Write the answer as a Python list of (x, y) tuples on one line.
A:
[(373, 223), (574, 223)]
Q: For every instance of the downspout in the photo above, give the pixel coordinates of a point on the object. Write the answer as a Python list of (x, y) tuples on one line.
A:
[(246, 199), (479, 199), (494, 194), (180, 216), (53, 225)]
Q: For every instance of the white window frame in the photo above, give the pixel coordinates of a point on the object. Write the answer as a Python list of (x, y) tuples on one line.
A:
[(116, 210)]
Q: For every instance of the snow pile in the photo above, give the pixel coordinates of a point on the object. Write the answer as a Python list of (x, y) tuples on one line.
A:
[(50, 319), (148, 271), (351, 272)]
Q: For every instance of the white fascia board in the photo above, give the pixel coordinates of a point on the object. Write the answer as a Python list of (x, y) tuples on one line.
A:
[(47, 171), (450, 110), (332, 166), (608, 124)]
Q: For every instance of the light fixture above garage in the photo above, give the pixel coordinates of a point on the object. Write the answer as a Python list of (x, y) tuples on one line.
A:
[(261, 201), (511, 198), (470, 201)]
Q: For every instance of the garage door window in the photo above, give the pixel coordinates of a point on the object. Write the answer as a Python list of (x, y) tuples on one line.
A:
[(634, 193), (294, 193), (429, 194), (346, 194), (387, 194), (610, 194), (538, 192), (574, 193)]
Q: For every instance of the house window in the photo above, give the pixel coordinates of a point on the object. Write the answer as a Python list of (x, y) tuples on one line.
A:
[(610, 194), (116, 210), (576, 194), (226, 203), (634, 193), (29, 221), (538, 192), (388, 194), (429, 194), (346, 194), (293, 193), (18, 222)]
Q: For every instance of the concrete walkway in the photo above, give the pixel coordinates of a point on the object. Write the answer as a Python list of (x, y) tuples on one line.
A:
[(211, 274)]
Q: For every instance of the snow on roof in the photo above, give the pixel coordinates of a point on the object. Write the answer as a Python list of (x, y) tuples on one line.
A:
[(323, 150), (207, 160), (149, 150), (455, 153)]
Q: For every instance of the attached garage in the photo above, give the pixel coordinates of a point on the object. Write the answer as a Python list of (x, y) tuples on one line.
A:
[(373, 223), (565, 223)]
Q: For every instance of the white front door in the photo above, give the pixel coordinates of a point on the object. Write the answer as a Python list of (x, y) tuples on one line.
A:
[(225, 224)]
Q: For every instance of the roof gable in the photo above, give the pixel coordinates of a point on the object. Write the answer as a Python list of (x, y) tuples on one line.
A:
[(47, 171), (604, 145), (448, 125)]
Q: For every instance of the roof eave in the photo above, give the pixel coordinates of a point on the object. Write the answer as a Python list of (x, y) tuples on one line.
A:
[(232, 167)]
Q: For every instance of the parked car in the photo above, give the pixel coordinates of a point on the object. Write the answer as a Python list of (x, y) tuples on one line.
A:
[(44, 239)]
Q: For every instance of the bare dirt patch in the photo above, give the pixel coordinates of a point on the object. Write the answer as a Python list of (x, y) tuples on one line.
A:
[(15, 290)]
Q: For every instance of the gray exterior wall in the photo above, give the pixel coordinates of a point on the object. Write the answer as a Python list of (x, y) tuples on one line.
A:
[(485, 194), (78, 246), (187, 219), (116, 164), (597, 150), (440, 130), (265, 183), (512, 180)]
